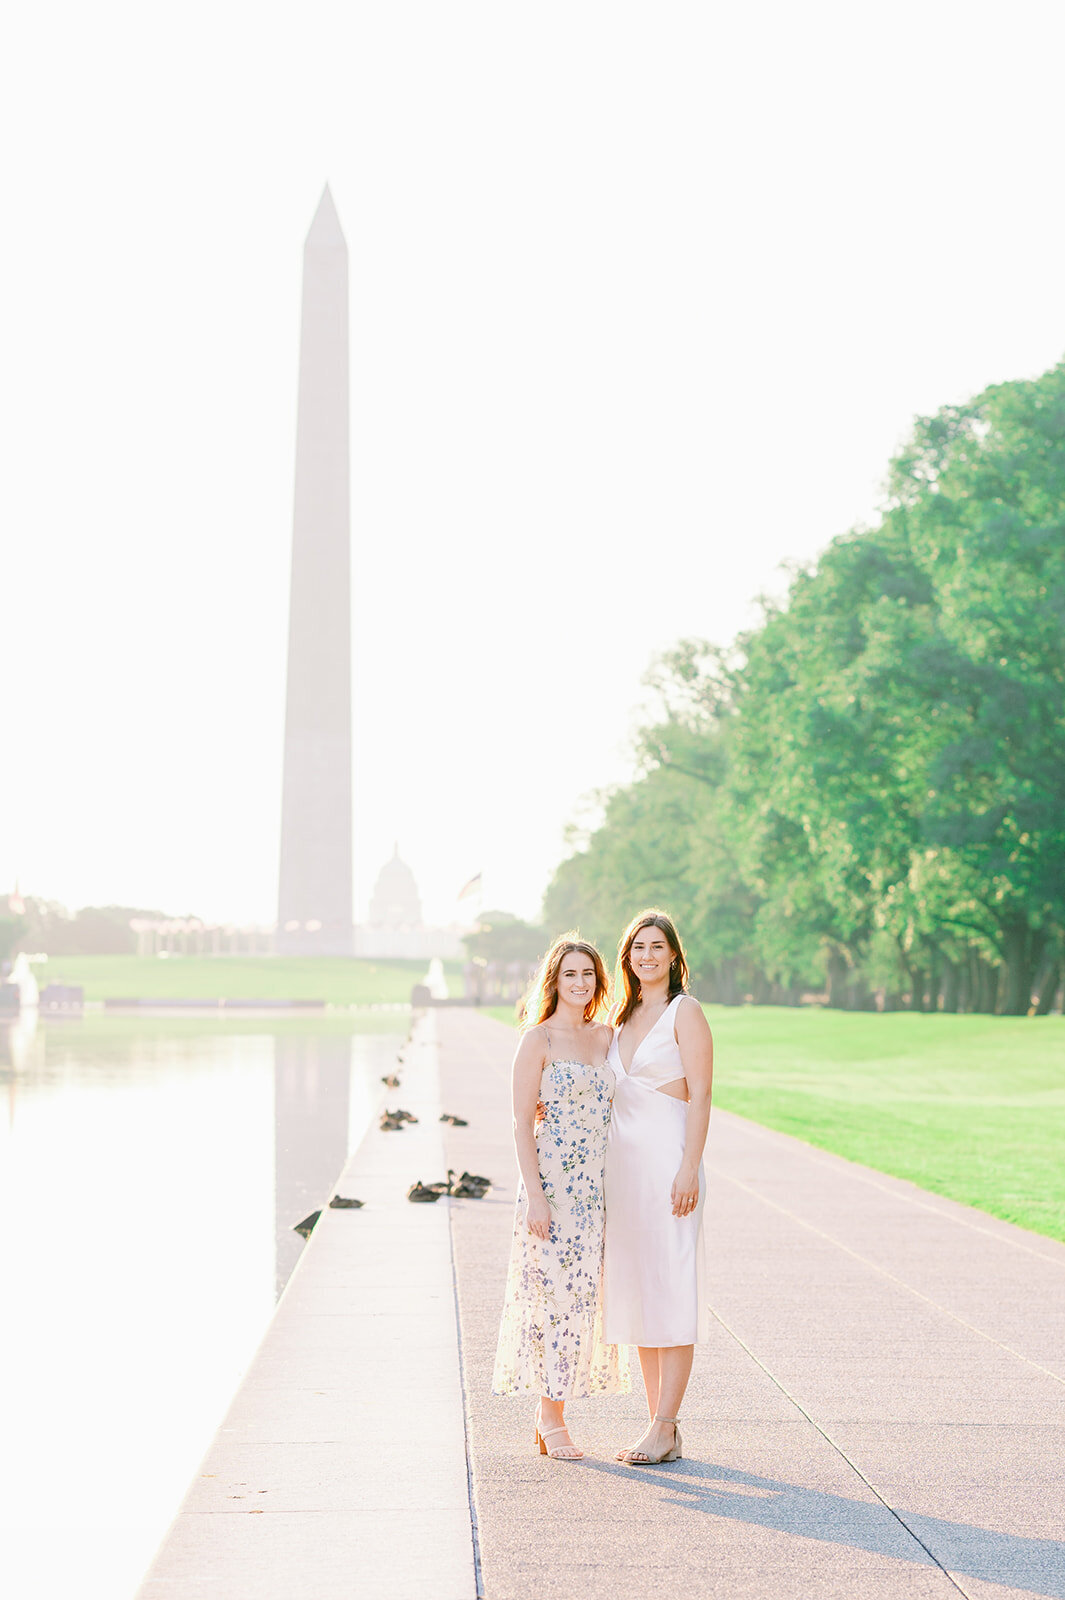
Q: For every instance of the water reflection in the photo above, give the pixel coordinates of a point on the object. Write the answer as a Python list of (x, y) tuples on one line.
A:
[(16, 1043), (150, 1174), (312, 1097)]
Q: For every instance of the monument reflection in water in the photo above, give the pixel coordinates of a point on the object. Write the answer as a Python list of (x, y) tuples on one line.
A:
[(312, 1111), (150, 1174)]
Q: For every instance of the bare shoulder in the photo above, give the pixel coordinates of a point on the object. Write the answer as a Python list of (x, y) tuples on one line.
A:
[(691, 1018), (532, 1046), (604, 1032)]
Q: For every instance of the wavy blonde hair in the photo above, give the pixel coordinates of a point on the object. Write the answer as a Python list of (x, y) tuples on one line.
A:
[(541, 1001)]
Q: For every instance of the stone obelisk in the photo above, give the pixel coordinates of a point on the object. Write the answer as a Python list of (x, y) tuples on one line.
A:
[(314, 909)]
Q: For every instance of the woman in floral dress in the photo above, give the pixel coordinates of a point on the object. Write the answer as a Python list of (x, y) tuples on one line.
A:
[(550, 1337)]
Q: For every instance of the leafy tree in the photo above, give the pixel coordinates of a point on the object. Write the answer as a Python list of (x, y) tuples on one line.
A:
[(12, 931), (500, 936), (94, 930), (871, 787), (981, 491)]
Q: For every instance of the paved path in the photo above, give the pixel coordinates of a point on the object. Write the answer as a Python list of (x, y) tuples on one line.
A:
[(880, 1411), (879, 1415)]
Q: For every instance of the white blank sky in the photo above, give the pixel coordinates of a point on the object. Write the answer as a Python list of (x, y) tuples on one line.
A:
[(643, 298)]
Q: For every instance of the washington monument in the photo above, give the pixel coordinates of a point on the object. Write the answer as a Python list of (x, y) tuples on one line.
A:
[(314, 912)]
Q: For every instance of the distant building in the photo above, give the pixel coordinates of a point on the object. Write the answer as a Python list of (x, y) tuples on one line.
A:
[(395, 902), (191, 936), (395, 928)]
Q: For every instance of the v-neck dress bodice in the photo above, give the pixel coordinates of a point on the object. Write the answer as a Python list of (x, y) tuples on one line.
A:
[(654, 1289), (656, 1060)]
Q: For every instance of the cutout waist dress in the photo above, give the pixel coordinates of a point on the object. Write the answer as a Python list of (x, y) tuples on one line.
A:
[(654, 1291)]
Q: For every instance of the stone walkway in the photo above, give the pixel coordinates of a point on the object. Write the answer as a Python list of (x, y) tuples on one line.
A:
[(880, 1411), (879, 1415), (340, 1471)]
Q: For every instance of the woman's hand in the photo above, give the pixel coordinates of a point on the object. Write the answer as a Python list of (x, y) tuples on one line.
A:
[(538, 1217), (685, 1191)]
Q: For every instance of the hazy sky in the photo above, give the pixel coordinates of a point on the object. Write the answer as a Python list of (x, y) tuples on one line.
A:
[(643, 298)]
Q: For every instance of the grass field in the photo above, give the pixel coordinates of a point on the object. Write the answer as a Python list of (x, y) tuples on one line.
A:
[(969, 1107), (340, 982)]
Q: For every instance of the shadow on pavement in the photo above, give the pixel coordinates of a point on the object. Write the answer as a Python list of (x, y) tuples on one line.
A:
[(1037, 1565)]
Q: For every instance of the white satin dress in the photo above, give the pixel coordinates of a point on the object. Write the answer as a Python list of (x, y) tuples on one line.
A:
[(654, 1274)]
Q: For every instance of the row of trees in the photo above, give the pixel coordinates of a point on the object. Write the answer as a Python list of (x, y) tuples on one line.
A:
[(46, 926), (867, 793)]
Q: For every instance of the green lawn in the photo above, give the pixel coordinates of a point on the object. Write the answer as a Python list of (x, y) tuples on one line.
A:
[(341, 982), (970, 1107)]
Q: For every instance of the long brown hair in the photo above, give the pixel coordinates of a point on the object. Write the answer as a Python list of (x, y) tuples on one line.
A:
[(626, 983), (542, 999)]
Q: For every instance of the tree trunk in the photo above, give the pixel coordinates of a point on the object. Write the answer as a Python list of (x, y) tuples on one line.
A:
[(838, 973), (916, 975), (761, 989), (1023, 948), (906, 986), (965, 983), (729, 994), (987, 986), (862, 998), (1046, 986), (951, 985)]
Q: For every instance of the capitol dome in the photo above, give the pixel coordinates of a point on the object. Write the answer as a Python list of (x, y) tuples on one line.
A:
[(395, 902)]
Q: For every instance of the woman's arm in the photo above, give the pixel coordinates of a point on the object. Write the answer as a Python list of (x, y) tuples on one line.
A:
[(528, 1068), (697, 1055)]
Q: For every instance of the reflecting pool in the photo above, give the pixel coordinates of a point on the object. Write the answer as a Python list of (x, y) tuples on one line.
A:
[(151, 1169)]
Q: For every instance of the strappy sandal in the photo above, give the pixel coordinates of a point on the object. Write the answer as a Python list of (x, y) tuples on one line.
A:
[(635, 1457), (542, 1436)]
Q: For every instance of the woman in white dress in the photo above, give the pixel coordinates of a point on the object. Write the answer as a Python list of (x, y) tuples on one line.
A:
[(662, 1055), (550, 1336)]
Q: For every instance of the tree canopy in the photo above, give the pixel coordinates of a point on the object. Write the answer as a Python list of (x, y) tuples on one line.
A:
[(867, 793)]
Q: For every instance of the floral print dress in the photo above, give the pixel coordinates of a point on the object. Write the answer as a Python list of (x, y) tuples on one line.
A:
[(550, 1338)]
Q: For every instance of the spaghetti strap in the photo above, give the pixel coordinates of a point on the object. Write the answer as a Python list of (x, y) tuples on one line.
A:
[(550, 1339)]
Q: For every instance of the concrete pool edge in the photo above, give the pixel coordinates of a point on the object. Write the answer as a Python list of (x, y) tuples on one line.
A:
[(342, 1457)]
